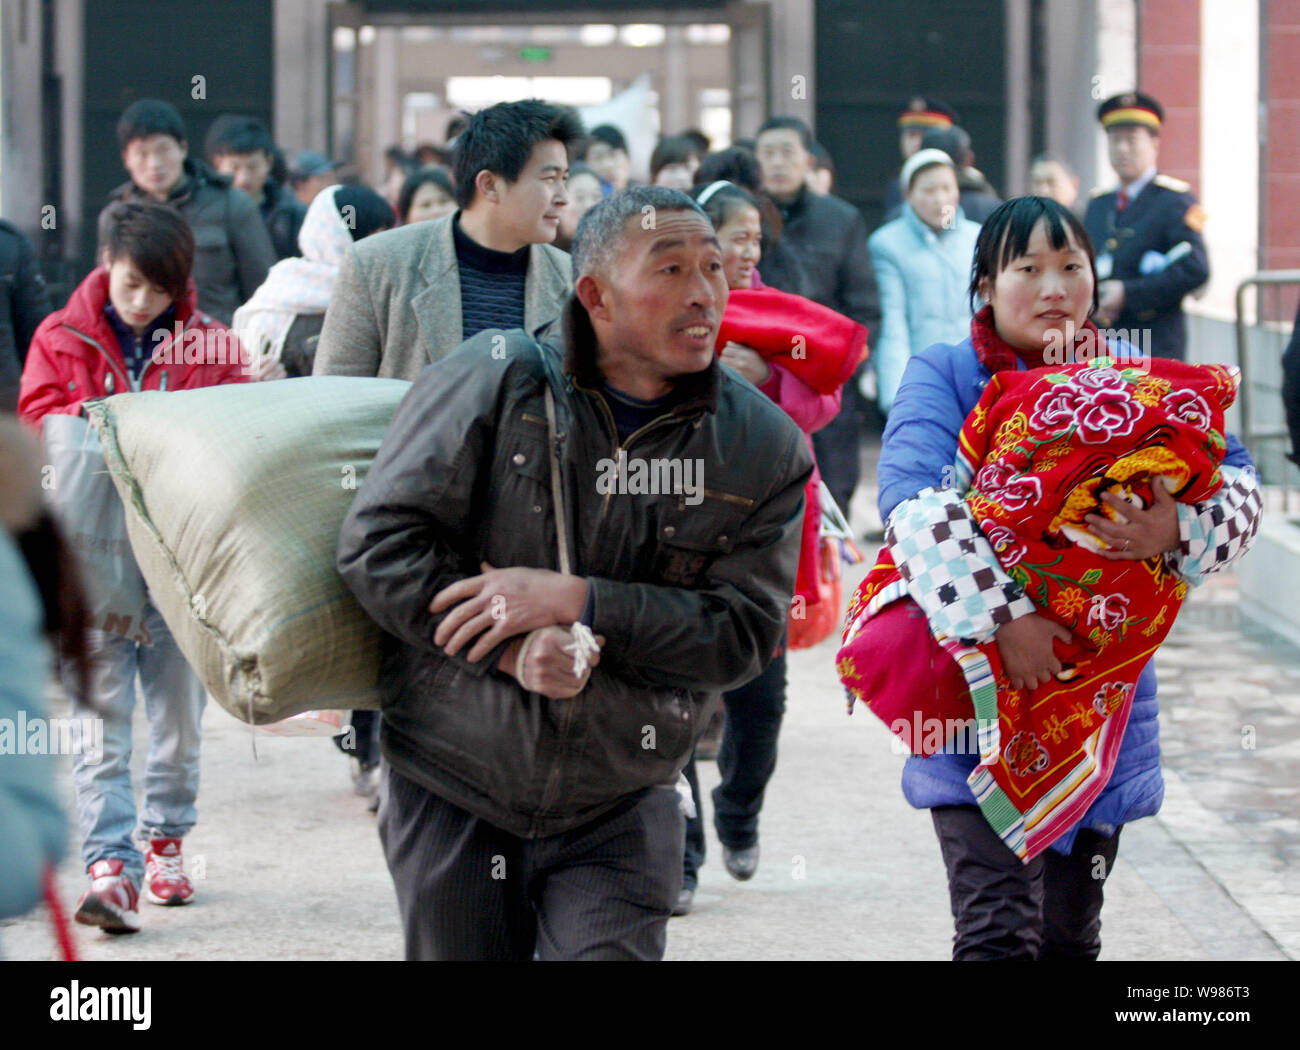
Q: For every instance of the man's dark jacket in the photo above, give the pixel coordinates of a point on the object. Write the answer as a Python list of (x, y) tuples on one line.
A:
[(24, 303), (232, 250), (1163, 220), (829, 237), (283, 213), (692, 599)]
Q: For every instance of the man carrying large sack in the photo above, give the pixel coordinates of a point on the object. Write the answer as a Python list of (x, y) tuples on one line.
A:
[(537, 714)]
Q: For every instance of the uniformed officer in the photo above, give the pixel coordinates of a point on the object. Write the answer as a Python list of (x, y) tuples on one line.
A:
[(917, 115), (1146, 233)]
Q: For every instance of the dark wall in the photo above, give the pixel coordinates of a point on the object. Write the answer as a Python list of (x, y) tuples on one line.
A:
[(136, 49), (872, 55)]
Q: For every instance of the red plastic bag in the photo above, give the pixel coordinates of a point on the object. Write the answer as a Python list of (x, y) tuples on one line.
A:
[(812, 622)]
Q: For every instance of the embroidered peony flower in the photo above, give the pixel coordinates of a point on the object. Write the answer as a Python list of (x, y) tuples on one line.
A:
[(1107, 414), (1054, 410), (1100, 379), (1006, 544), (1188, 407), (1109, 610), (1014, 492), (1097, 402)]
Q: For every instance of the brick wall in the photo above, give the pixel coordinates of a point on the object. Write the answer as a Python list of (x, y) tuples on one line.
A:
[(1280, 174), (1169, 68)]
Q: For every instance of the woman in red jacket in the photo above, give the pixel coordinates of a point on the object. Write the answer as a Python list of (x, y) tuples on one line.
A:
[(132, 325)]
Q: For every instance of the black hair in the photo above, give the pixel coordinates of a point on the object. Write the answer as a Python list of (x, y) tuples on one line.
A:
[(702, 141), (149, 116), (433, 174), (501, 138), (735, 165), (428, 154), (1006, 232), (788, 123), (953, 140), (608, 134), (822, 158), (154, 237), (677, 149), (236, 133), (370, 212), (455, 126), (279, 166), (723, 202)]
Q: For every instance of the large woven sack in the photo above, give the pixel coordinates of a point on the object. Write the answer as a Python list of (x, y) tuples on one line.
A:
[(234, 498)]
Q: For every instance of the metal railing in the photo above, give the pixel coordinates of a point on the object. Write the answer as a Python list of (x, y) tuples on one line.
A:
[(1260, 346)]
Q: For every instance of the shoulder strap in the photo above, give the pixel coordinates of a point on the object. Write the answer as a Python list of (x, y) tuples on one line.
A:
[(557, 486)]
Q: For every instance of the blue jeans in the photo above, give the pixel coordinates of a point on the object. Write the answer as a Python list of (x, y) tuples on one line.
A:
[(174, 698)]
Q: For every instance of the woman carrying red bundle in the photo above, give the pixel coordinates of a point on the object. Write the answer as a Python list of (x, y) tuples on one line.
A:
[(1011, 523), (799, 354)]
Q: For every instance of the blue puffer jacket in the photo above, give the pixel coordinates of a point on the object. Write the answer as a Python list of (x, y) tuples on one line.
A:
[(940, 387), (923, 278)]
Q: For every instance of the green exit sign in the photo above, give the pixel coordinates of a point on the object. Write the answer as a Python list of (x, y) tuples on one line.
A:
[(535, 54)]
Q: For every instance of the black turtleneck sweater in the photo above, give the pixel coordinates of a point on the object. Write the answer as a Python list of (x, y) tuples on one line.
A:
[(491, 284)]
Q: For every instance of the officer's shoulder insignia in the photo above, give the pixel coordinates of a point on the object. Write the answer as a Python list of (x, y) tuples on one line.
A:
[(1195, 218), (1171, 183)]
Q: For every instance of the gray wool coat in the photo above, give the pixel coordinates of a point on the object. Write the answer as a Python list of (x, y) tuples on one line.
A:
[(395, 307)]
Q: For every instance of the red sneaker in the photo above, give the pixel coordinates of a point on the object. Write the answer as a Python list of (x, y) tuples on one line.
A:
[(112, 903), (165, 881)]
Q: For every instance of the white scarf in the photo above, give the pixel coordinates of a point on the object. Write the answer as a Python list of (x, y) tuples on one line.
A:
[(296, 286)]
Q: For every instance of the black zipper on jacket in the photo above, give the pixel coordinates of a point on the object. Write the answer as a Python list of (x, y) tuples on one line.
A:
[(622, 446), (555, 778)]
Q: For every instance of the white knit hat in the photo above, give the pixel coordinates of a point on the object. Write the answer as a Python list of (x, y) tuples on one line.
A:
[(922, 158)]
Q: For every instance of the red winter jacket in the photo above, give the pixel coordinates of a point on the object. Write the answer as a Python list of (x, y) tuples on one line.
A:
[(74, 355)]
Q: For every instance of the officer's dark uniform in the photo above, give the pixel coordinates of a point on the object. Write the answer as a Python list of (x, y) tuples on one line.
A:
[(1153, 245)]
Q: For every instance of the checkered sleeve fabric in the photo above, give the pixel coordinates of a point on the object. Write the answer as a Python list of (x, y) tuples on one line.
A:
[(950, 568), (1216, 532)]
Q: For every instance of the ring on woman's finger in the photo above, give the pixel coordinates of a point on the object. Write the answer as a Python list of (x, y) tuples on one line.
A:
[(1127, 543)]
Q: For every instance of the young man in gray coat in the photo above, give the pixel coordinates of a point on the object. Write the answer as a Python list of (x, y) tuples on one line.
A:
[(530, 803), (407, 298)]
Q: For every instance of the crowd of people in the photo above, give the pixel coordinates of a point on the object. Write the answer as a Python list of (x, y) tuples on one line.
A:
[(652, 611)]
